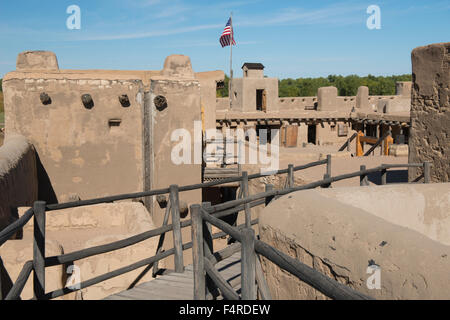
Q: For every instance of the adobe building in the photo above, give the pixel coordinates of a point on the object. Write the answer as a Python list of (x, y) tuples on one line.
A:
[(104, 132), (326, 119), (254, 92)]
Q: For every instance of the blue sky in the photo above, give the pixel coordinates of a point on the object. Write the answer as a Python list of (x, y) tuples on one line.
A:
[(291, 38)]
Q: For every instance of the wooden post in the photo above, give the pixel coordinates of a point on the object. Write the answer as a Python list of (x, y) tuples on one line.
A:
[(245, 194), (39, 249), (291, 176), (208, 251), (177, 240), (162, 237), (261, 281), (248, 276), (387, 142), (427, 172), (197, 253), (329, 165), (363, 180), (384, 176), (269, 187), (359, 145), (328, 185), (6, 283)]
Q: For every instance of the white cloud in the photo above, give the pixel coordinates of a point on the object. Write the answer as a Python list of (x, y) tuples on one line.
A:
[(150, 34)]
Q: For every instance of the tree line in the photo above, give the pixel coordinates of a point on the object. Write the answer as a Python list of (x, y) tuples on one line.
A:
[(347, 86)]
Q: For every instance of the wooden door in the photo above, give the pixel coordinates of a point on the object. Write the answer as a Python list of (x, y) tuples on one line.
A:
[(289, 136)]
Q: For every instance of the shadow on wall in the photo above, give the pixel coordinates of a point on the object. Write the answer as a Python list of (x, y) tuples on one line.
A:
[(45, 188), (393, 176)]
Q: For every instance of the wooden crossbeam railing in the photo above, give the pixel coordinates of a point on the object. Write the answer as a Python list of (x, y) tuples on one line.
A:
[(206, 213)]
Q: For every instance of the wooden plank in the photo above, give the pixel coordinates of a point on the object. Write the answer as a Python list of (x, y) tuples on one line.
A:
[(245, 193), (177, 240), (167, 288), (39, 249), (198, 255), (248, 265), (180, 286)]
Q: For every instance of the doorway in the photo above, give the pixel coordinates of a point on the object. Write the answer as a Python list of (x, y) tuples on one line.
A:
[(261, 104), (312, 129)]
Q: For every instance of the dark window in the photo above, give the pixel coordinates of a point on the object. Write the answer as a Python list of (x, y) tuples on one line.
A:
[(312, 134), (261, 100)]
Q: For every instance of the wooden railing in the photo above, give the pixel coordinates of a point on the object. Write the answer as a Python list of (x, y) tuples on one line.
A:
[(203, 256), (252, 280), (385, 140)]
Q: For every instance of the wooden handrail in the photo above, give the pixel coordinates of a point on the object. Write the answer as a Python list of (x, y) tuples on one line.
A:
[(210, 214)]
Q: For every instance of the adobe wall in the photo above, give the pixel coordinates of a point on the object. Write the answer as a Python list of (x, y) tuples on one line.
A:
[(244, 93), (328, 133), (111, 146), (340, 232), (181, 112), (85, 152), (18, 177), (297, 103), (208, 88), (222, 103), (430, 112), (80, 228)]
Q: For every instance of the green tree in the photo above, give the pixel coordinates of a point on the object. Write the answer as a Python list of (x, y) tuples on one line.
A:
[(347, 86), (221, 93)]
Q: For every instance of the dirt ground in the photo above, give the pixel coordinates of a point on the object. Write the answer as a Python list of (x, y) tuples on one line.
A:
[(342, 162)]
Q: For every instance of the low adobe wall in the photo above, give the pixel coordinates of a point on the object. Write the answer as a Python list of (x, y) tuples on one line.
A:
[(18, 177), (340, 232), (80, 228)]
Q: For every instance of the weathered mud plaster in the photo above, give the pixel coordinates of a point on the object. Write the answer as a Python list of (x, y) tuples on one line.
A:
[(18, 177), (328, 231), (430, 111)]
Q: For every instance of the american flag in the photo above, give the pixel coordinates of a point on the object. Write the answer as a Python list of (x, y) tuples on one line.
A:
[(227, 35)]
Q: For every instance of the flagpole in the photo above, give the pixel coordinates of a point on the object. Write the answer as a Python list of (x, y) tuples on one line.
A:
[(231, 62)]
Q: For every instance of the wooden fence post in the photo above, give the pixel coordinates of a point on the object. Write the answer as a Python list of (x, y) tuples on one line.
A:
[(5, 281), (328, 185), (269, 187), (363, 180), (291, 176), (329, 165), (197, 253), (248, 276), (427, 172), (208, 250), (245, 194), (162, 237), (177, 239), (39, 249)]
